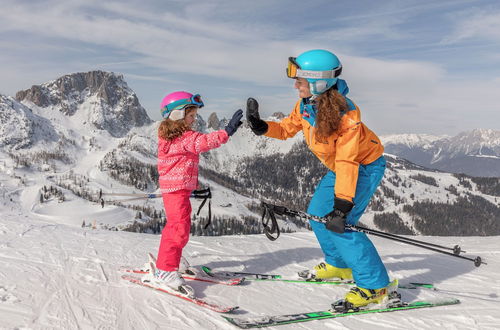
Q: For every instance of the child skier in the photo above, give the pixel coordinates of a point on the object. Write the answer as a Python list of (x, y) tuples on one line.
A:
[(178, 156)]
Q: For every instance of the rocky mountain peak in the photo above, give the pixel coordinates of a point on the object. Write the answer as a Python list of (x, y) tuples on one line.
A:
[(278, 115), (105, 97), (213, 121), (199, 124)]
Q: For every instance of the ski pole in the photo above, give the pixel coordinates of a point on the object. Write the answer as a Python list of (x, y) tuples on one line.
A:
[(281, 210), (199, 194), (136, 195), (130, 199), (456, 249), (477, 261), (204, 194)]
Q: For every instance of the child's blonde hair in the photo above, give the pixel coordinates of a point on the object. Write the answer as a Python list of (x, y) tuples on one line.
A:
[(171, 129)]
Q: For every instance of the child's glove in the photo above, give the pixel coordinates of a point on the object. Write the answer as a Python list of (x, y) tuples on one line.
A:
[(257, 125), (234, 123)]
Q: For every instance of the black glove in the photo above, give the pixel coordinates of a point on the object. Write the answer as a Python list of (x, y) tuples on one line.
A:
[(257, 125), (335, 220), (234, 123)]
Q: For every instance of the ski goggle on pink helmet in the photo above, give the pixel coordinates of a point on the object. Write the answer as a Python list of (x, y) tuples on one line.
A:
[(173, 106)]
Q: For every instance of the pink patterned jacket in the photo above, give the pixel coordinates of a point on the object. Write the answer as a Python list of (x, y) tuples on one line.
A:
[(178, 159)]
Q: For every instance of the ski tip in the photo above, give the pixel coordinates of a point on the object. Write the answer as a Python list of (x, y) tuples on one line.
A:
[(442, 302), (232, 309), (423, 285), (206, 269), (129, 277)]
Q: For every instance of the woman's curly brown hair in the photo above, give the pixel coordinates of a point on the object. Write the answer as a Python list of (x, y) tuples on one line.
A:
[(170, 129), (330, 106)]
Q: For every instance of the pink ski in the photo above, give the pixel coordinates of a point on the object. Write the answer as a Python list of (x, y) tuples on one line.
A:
[(194, 277), (189, 273), (197, 301)]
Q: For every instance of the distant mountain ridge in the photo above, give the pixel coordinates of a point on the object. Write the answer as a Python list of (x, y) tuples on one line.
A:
[(475, 153)]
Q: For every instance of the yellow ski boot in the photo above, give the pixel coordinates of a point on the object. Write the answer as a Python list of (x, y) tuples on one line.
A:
[(359, 297), (325, 271)]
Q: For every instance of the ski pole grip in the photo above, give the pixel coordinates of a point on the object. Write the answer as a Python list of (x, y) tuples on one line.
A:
[(279, 210)]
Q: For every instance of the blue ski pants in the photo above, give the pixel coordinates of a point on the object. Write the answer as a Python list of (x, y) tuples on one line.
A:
[(351, 249)]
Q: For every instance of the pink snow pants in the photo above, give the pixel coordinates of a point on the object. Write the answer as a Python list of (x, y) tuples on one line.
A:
[(175, 234)]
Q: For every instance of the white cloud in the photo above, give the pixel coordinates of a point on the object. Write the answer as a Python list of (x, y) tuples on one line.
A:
[(479, 24), (228, 54), (172, 43)]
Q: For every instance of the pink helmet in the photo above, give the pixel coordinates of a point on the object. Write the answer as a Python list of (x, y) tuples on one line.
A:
[(174, 104)]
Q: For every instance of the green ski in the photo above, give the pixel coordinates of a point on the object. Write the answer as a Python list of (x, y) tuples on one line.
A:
[(267, 321), (278, 278)]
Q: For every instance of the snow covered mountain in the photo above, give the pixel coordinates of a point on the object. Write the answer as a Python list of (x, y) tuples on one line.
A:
[(475, 153), (86, 132)]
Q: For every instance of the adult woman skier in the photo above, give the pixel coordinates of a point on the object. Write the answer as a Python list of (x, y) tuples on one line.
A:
[(332, 128)]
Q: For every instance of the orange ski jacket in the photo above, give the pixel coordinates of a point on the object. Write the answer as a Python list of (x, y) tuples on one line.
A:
[(344, 150)]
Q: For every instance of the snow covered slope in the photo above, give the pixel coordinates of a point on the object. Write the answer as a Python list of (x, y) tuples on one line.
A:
[(55, 276)]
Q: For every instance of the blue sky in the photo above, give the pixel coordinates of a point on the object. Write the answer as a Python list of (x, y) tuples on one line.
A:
[(412, 66)]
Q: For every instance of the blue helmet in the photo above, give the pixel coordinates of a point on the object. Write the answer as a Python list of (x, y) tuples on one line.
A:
[(320, 67)]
